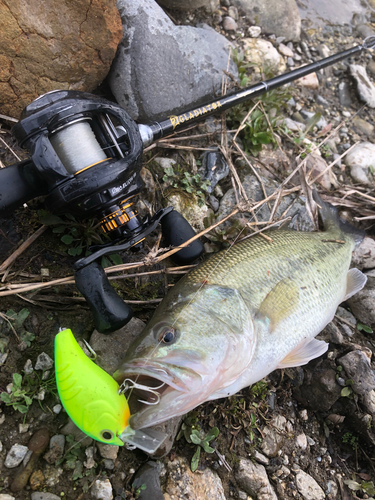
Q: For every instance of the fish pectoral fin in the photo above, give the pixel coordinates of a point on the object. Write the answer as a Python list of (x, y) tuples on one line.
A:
[(307, 350), (355, 281), (279, 303)]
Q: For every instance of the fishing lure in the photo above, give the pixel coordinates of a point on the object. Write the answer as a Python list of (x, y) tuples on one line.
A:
[(92, 398)]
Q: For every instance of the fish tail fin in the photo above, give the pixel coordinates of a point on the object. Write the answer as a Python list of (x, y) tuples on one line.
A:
[(331, 219)]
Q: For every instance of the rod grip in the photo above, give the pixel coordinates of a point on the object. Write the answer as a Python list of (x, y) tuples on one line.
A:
[(19, 183), (110, 312), (176, 230)]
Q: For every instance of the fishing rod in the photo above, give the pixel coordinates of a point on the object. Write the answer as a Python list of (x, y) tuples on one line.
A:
[(86, 157)]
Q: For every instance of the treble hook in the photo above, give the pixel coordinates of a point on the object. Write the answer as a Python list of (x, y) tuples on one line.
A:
[(134, 385)]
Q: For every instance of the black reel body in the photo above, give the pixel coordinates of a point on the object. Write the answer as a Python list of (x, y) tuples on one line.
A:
[(86, 155)]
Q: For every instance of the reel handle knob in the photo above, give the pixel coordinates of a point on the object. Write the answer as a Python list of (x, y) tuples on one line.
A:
[(110, 312), (176, 230)]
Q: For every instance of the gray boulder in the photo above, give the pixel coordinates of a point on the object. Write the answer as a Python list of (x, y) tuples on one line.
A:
[(161, 68), (275, 17), (189, 4)]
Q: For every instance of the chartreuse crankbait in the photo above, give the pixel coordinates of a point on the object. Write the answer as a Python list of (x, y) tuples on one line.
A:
[(91, 398)]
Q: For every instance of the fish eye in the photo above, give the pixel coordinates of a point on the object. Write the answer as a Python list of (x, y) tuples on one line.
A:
[(107, 435), (167, 335)]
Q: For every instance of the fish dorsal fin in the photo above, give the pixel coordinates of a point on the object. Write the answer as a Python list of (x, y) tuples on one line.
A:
[(279, 303), (307, 350), (355, 281)]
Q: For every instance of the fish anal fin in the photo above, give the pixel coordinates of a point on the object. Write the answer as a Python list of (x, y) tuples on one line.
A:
[(279, 303), (305, 351), (355, 281)]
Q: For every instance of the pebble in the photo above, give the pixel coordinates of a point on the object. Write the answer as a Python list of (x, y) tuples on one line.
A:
[(365, 87), (285, 51), (363, 126), (304, 415), (229, 24), (308, 487), (290, 62), (57, 409), (253, 479), (320, 100), (214, 168), (1, 446), (36, 479), (90, 462), (109, 464), (301, 441), (5, 496), (102, 490), (108, 450), (309, 81), (22, 428), (39, 495), (322, 123), (3, 357), (28, 368), (254, 31), (364, 254), (43, 362), (233, 12), (259, 457), (344, 94), (360, 160), (15, 455), (56, 448)]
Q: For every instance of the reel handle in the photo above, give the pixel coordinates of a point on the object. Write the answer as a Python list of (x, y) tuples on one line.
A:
[(110, 312), (176, 230)]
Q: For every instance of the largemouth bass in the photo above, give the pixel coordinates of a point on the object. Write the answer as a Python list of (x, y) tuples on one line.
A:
[(240, 315)]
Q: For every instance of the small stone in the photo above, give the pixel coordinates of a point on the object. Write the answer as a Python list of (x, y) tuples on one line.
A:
[(108, 450), (79, 436), (40, 495), (109, 464), (304, 415), (253, 479), (2, 418), (36, 479), (233, 12), (363, 126), (361, 160), (344, 94), (229, 24), (28, 368), (43, 362), (301, 441), (44, 271), (308, 487), (90, 462), (294, 126), (5, 496), (56, 449), (254, 31), (3, 357), (358, 369), (274, 436), (1, 446), (322, 123), (15, 455), (102, 490), (309, 81), (259, 457), (52, 475), (285, 51), (365, 87), (364, 254), (57, 409), (290, 62), (22, 428)]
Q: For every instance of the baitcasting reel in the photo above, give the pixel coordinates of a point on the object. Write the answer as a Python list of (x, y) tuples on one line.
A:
[(86, 155)]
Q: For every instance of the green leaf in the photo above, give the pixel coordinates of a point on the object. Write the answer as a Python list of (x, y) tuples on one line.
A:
[(353, 485), (346, 392), (105, 262), (21, 317), (116, 259), (5, 397), (17, 379), (365, 328), (58, 229), (195, 459), (28, 400), (21, 408), (67, 239), (207, 448), (194, 436), (212, 434), (3, 343), (49, 219)]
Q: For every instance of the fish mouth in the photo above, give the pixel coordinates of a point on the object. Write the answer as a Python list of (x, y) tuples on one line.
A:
[(155, 393)]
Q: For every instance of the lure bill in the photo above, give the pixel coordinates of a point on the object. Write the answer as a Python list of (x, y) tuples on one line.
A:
[(93, 400)]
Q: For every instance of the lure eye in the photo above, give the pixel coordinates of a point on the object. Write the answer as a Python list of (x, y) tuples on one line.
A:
[(167, 335), (107, 435)]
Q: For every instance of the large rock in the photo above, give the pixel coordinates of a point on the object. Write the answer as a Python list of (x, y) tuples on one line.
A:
[(189, 4), (54, 45), (362, 303), (253, 479), (275, 17), (162, 68)]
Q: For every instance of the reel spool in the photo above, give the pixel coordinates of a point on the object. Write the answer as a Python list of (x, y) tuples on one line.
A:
[(86, 155)]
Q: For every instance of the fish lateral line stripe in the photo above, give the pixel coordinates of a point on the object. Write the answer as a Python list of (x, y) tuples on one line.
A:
[(195, 113)]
